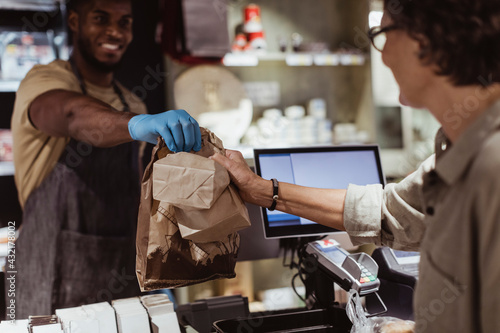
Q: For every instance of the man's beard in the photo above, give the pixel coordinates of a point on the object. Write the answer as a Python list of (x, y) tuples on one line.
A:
[(91, 59)]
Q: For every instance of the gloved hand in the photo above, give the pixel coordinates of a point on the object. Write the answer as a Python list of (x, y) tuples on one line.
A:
[(179, 130)]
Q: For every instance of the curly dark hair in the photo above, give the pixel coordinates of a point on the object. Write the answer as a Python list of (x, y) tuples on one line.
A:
[(78, 5), (462, 37)]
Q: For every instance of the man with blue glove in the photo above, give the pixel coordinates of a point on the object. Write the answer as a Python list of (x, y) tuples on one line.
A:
[(77, 166)]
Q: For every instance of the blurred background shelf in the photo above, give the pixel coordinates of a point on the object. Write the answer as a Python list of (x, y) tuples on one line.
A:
[(294, 59), (9, 85), (6, 168), (30, 5)]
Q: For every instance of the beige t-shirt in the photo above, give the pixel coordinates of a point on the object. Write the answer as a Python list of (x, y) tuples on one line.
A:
[(36, 153)]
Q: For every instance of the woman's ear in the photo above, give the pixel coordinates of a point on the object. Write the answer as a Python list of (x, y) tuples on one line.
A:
[(73, 19), (422, 46)]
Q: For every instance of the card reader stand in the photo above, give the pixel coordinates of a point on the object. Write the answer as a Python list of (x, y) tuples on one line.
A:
[(326, 263)]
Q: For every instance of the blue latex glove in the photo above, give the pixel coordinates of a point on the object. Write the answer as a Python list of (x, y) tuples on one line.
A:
[(179, 130)]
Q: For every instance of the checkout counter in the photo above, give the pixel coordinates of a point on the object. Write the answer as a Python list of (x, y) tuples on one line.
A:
[(387, 279)]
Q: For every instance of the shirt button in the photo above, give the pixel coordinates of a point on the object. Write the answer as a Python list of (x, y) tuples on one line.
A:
[(430, 210), (433, 178)]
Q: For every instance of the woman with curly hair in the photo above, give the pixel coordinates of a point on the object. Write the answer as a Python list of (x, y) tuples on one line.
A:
[(445, 56)]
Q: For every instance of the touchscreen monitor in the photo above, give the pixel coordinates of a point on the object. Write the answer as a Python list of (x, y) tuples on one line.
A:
[(333, 167)]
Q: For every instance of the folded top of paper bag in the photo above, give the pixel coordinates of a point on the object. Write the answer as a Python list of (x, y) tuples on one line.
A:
[(188, 181)]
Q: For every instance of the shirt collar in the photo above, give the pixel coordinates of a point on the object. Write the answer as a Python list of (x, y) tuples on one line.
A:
[(452, 161)]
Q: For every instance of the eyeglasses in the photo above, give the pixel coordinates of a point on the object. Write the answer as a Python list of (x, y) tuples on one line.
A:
[(378, 36)]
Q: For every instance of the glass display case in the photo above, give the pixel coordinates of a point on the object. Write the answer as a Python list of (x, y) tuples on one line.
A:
[(33, 32)]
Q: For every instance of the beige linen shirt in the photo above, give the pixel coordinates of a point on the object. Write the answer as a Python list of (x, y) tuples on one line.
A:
[(450, 212), (36, 153)]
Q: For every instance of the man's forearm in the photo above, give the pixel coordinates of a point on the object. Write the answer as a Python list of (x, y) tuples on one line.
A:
[(63, 113)]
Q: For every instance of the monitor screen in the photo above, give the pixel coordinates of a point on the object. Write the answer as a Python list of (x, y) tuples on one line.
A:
[(333, 167)]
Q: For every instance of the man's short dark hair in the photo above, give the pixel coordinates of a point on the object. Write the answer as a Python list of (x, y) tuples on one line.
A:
[(77, 5), (462, 37)]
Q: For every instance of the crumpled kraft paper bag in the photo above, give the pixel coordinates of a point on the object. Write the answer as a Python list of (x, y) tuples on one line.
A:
[(188, 181), (166, 260), (208, 225)]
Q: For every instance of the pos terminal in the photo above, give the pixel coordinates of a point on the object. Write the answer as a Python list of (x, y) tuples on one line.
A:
[(351, 271), (327, 263), (398, 274)]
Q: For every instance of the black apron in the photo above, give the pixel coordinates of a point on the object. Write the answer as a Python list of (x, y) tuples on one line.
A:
[(77, 244)]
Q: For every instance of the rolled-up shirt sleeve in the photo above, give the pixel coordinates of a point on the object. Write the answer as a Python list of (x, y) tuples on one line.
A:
[(391, 216)]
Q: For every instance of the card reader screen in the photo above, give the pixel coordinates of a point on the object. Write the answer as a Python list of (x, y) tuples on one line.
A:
[(333, 253)]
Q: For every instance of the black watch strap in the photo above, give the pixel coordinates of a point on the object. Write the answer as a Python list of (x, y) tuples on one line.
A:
[(275, 194)]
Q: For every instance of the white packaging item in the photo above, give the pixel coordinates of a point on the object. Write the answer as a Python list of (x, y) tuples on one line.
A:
[(161, 312), (317, 108), (131, 316), (51, 328), (166, 323), (295, 112), (16, 326), (75, 320), (104, 314)]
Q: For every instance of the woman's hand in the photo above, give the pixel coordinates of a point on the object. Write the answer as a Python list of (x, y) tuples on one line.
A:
[(249, 184)]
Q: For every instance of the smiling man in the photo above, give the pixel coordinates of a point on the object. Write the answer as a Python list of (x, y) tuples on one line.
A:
[(94, 46), (76, 163)]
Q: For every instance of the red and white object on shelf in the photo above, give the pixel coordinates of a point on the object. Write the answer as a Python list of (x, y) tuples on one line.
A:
[(257, 41), (252, 26), (6, 146), (252, 19), (239, 43)]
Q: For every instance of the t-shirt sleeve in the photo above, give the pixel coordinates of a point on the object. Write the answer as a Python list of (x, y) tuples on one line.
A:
[(391, 216), (41, 79)]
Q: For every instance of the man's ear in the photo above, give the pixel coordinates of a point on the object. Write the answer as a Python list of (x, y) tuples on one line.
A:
[(73, 21)]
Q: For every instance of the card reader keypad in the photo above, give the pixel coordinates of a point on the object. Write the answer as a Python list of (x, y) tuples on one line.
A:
[(366, 276)]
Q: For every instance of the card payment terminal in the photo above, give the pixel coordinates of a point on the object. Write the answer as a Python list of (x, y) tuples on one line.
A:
[(356, 271)]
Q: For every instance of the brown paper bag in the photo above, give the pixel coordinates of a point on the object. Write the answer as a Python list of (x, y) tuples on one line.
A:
[(208, 225), (188, 181), (164, 259)]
